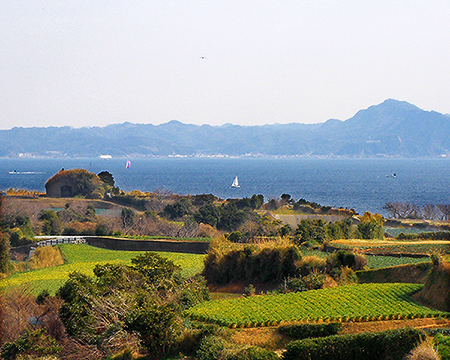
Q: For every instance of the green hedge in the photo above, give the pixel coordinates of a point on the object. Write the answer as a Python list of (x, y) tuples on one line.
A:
[(303, 331), (386, 345)]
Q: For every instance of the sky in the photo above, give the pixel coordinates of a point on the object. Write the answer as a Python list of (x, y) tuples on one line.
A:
[(99, 62)]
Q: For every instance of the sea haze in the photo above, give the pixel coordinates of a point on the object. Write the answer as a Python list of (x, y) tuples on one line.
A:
[(361, 184)]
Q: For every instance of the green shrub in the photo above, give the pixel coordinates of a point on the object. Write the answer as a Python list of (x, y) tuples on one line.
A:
[(443, 346), (32, 345), (227, 262), (304, 331), (252, 353), (312, 281), (210, 348), (386, 345)]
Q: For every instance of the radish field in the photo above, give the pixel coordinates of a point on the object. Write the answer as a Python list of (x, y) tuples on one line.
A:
[(365, 302)]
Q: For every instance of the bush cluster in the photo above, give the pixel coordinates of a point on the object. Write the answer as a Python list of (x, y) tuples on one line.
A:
[(433, 235), (250, 262), (304, 331), (386, 345), (213, 347)]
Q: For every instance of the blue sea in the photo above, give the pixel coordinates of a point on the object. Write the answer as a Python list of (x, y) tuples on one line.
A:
[(361, 184)]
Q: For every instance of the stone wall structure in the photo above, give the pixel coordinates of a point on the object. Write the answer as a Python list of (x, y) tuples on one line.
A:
[(63, 187)]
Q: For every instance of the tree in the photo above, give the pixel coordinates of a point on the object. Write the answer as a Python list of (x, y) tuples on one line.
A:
[(107, 178), (147, 297), (127, 216), (371, 226), (208, 214), (430, 212), (445, 210), (178, 209), (231, 218), (286, 198), (51, 222), (4, 253)]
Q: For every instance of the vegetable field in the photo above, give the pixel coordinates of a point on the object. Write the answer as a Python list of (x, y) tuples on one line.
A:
[(83, 258), (375, 262), (365, 302)]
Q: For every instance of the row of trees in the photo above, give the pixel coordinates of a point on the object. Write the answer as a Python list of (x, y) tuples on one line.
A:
[(406, 210)]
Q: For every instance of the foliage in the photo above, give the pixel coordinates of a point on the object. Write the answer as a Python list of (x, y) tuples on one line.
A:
[(107, 178), (303, 331), (230, 217), (371, 226), (443, 346), (88, 184), (227, 262), (127, 216), (51, 223), (312, 281), (178, 209), (146, 297), (214, 347), (362, 302), (208, 214), (386, 345), (432, 235), (32, 344), (317, 231), (4, 254), (44, 257)]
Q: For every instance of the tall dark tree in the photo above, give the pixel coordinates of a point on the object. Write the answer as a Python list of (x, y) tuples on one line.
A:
[(107, 178), (4, 253)]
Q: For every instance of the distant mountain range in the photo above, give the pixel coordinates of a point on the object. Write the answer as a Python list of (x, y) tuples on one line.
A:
[(390, 129)]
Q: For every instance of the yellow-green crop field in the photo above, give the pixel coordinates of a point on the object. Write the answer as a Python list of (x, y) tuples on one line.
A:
[(83, 258), (364, 302)]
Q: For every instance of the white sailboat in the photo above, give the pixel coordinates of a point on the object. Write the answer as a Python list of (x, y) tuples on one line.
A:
[(235, 183)]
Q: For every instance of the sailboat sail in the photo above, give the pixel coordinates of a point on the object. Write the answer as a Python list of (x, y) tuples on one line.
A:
[(235, 183)]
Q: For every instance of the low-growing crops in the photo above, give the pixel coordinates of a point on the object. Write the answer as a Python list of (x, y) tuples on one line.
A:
[(365, 302), (378, 262), (375, 261), (83, 258)]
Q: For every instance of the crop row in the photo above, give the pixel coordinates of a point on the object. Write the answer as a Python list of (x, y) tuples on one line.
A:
[(365, 302)]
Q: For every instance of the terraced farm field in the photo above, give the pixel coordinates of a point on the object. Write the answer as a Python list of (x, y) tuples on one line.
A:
[(394, 246), (375, 262), (83, 258), (365, 302)]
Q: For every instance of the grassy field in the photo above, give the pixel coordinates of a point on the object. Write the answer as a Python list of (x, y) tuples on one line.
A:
[(83, 258), (365, 302)]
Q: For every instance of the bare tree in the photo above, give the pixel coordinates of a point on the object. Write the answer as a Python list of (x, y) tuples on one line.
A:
[(19, 306), (445, 211), (430, 212)]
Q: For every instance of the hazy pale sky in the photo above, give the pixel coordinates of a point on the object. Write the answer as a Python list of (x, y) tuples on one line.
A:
[(98, 62)]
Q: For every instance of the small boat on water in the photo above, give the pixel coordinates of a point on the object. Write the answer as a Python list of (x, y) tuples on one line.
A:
[(235, 183), (15, 172)]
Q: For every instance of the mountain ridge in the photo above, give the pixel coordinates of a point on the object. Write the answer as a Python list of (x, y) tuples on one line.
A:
[(390, 129)]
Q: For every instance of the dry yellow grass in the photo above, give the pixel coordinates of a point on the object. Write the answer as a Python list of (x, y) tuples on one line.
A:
[(44, 257)]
